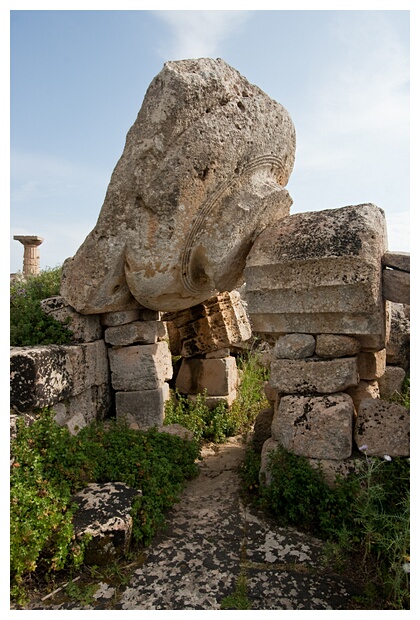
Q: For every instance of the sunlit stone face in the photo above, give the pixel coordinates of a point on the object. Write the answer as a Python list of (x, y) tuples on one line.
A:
[(202, 174)]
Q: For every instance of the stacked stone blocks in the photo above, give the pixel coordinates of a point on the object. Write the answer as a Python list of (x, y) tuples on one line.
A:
[(140, 363), (315, 287)]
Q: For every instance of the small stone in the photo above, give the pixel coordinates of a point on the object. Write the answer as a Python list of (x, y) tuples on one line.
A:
[(396, 286), (333, 346), (391, 381), (294, 346), (371, 364), (363, 390)]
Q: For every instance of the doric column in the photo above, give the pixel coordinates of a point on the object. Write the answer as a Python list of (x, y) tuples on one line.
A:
[(30, 253)]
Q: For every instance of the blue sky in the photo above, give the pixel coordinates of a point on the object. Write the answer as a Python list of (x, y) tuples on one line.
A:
[(78, 78)]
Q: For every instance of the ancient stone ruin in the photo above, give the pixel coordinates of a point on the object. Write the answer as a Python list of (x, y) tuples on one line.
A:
[(197, 209)]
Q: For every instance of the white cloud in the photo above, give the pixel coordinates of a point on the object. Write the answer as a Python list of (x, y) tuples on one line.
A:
[(196, 34)]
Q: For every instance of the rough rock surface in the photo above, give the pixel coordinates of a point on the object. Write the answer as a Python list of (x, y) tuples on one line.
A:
[(396, 286), (313, 375), (384, 427), (319, 427), (398, 346), (201, 175), (319, 273), (219, 377), (333, 345), (104, 513), (294, 346)]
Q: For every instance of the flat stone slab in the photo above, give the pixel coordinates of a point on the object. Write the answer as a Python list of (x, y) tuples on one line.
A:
[(211, 539)]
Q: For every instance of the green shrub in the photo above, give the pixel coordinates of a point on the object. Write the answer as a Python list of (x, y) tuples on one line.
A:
[(49, 465), (30, 326), (221, 422), (366, 513)]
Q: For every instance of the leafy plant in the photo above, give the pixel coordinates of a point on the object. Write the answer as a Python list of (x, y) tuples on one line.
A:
[(29, 325), (239, 599), (50, 464), (222, 421)]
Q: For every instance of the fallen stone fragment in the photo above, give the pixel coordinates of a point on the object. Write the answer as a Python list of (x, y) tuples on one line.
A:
[(398, 346), (391, 381), (218, 377), (203, 172), (220, 322), (371, 364), (83, 328), (104, 513)]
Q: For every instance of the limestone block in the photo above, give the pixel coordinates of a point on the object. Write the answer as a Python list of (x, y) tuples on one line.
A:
[(333, 346), (319, 273), (363, 390), (104, 512), (145, 408), (93, 404), (294, 346), (174, 339), (202, 173), (398, 346), (314, 375), (178, 431), (139, 332), (396, 286), (39, 376), (122, 317), (140, 367), (83, 328), (218, 323), (269, 446), (384, 427), (391, 381), (397, 260), (262, 429), (212, 401), (371, 364), (219, 377), (270, 392), (218, 354), (318, 427), (88, 364)]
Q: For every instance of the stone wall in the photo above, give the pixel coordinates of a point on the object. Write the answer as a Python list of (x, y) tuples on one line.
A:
[(320, 287), (118, 364)]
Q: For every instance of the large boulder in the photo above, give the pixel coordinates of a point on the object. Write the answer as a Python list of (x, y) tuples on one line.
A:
[(201, 175)]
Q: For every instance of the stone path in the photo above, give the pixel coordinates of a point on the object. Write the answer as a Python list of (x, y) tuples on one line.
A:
[(212, 539)]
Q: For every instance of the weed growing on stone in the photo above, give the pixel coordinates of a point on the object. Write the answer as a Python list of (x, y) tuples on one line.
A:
[(239, 599), (28, 324), (221, 422), (49, 465)]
